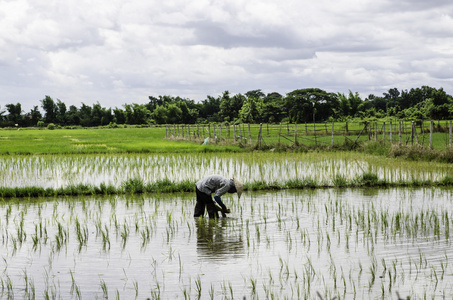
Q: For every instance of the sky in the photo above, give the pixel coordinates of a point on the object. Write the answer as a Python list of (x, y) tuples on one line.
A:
[(116, 52)]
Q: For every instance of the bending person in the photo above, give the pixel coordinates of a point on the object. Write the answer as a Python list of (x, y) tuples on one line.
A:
[(218, 185)]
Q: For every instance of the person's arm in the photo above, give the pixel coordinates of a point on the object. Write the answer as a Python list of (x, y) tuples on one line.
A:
[(220, 202)]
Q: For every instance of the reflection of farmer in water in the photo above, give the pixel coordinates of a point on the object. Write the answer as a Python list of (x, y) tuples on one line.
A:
[(218, 240), (218, 185)]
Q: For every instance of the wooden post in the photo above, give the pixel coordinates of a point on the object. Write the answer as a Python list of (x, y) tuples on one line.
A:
[(333, 133), (314, 132), (391, 137), (431, 129), (412, 133), (234, 132), (450, 130), (228, 132), (220, 129), (250, 135), (295, 134), (375, 131), (267, 124), (209, 130), (383, 133), (240, 133), (259, 136), (399, 134), (280, 133)]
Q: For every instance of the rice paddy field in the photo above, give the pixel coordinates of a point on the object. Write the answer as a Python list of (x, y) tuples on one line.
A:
[(293, 244), (322, 241), (321, 169)]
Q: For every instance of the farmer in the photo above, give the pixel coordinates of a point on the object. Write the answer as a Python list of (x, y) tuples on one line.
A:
[(218, 185)]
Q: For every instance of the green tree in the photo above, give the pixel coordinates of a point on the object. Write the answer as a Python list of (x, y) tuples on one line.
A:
[(273, 108), (159, 114), (137, 113), (303, 105), (251, 110), (230, 106), (209, 110), (34, 116), (14, 114), (61, 117), (50, 110), (119, 116)]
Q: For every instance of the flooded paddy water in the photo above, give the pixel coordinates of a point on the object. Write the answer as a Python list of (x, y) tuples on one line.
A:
[(344, 243)]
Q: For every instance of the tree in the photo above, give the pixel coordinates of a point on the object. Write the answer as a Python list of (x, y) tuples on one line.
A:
[(14, 114), (50, 110), (159, 114), (119, 116), (230, 106), (61, 117), (137, 113), (302, 105), (209, 110), (250, 111), (273, 108), (34, 116)]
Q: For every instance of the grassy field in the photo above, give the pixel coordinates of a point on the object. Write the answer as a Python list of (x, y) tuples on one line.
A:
[(96, 140)]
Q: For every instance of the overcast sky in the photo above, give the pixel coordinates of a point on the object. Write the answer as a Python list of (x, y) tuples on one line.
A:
[(116, 52)]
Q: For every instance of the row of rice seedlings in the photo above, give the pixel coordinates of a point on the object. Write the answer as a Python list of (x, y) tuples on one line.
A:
[(138, 185), (113, 170)]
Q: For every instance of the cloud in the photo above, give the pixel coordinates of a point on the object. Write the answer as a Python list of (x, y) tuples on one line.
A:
[(118, 52)]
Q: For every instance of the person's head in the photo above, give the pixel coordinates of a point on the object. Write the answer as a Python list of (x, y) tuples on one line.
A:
[(238, 186)]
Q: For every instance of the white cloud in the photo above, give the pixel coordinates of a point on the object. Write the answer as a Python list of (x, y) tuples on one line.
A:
[(118, 52)]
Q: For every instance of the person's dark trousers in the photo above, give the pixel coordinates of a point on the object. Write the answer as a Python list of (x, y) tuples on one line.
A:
[(205, 201)]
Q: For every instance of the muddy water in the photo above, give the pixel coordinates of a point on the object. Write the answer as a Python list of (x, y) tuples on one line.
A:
[(345, 243)]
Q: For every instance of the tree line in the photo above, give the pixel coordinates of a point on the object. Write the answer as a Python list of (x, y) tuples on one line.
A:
[(298, 106)]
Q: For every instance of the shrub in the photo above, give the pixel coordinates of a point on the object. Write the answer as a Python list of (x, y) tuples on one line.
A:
[(51, 126)]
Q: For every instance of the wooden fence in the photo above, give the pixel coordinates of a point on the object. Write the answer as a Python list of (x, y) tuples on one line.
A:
[(432, 134)]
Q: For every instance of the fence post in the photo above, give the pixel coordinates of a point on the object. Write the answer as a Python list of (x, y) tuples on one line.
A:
[(399, 134), (280, 133), (450, 129), (250, 135), (227, 128), (234, 132), (295, 133), (375, 131), (220, 129), (333, 132), (412, 134), (383, 133), (391, 136), (431, 128), (240, 133), (259, 136)]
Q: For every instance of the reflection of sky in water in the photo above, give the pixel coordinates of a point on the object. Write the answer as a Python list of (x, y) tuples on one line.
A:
[(285, 242), (57, 171)]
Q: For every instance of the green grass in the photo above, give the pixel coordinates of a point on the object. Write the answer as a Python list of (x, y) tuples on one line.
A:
[(97, 140)]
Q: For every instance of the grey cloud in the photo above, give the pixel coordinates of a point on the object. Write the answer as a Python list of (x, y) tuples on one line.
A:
[(214, 34)]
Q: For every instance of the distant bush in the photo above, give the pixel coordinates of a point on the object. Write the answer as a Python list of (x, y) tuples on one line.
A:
[(41, 124), (51, 126)]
